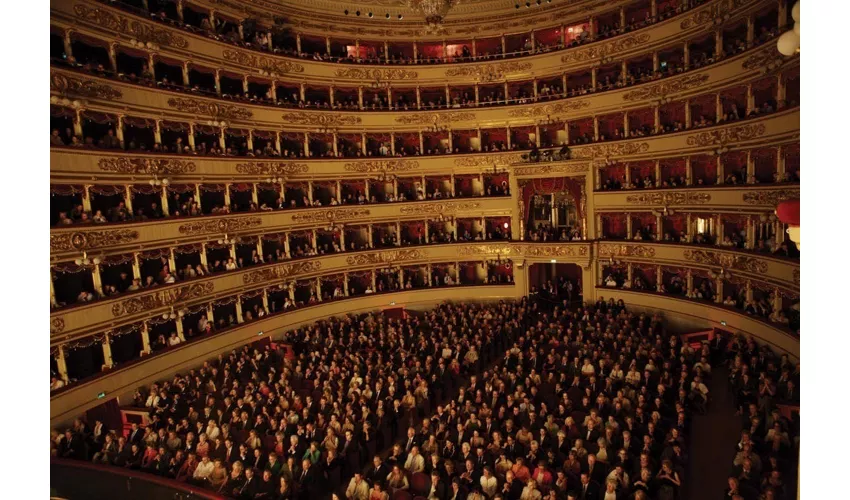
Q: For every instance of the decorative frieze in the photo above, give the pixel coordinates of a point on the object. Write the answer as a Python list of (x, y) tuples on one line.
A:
[(669, 198), (665, 88), (550, 110), (727, 260), (562, 168), (272, 168), (488, 72), (88, 240), (57, 325), (219, 226), (334, 214), (214, 109), (610, 150), (385, 257), (736, 133), (282, 271), (130, 27), (435, 208), (371, 166), (438, 117), (610, 48), (770, 197), (72, 86), (323, 120), (162, 298), (624, 250), (376, 74), (138, 165), (278, 66), (488, 160)]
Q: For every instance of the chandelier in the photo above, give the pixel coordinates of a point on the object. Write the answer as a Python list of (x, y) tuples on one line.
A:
[(434, 11)]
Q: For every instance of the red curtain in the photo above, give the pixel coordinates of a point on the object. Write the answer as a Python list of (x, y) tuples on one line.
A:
[(673, 112), (109, 413), (705, 168), (673, 168), (644, 117), (641, 169), (614, 225), (764, 90), (614, 173), (552, 185)]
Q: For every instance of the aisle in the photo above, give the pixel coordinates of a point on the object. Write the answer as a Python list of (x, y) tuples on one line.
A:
[(713, 441)]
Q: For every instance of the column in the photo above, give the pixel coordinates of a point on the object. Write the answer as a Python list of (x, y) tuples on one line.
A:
[(360, 97), (345, 284), (163, 198), (78, 124), (356, 49), (277, 141), (599, 226), (374, 285), (386, 52), (178, 324), (509, 136), (371, 245), (629, 232), (395, 187), (659, 278), (483, 229), (335, 147), (315, 241), (477, 93), (444, 50), (151, 65), (782, 20), (298, 43), (415, 52), (689, 280), (426, 232), (689, 172), (307, 144), (428, 271), (657, 173), (595, 128), (366, 190), (286, 245), (748, 290), (750, 242), (250, 140), (566, 132), (597, 178), (720, 174), (233, 250), (628, 174), (61, 366), (659, 227), (210, 314), (172, 264), (113, 57), (452, 181), (564, 85), (751, 168), (342, 239), (718, 44), (266, 300), (204, 261), (653, 9), (221, 141), (718, 108), (533, 42), (687, 56), (107, 351), (504, 45), (687, 113), (302, 91), (780, 92), (218, 82), (594, 25), (598, 273), (474, 49), (507, 92), (137, 269), (718, 286), (52, 291), (622, 18), (227, 194), (245, 84), (398, 233), (751, 31), (310, 192), (328, 45), (537, 134), (625, 124), (319, 289), (68, 47), (157, 132), (593, 74), (534, 83), (192, 136), (718, 230), (630, 274), (146, 338), (780, 164), (119, 129), (239, 318), (254, 195), (363, 145), (657, 117), (198, 195)]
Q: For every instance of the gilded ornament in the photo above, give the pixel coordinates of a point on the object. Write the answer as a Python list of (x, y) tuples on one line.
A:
[(376, 74), (493, 249), (770, 197), (563, 168), (565, 250), (626, 250), (334, 214), (271, 168), (438, 117), (130, 27), (796, 274), (87, 240), (727, 260), (57, 324), (726, 135), (320, 119), (766, 58), (268, 64), (381, 166), (609, 150), (669, 198), (488, 160), (281, 271), (198, 107), (388, 257), (162, 298), (716, 13), (610, 48), (488, 72), (439, 207), (548, 109), (138, 165), (69, 85), (220, 226), (665, 88)]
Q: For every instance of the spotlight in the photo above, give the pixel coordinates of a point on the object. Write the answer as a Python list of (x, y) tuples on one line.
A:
[(370, 15), (516, 6), (527, 4), (539, 2), (400, 17), (345, 12), (357, 13), (388, 15)]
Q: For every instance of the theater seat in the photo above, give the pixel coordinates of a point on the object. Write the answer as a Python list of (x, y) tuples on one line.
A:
[(402, 495), (420, 483)]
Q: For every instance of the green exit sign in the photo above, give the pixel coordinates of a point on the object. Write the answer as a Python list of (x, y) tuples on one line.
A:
[(101, 395)]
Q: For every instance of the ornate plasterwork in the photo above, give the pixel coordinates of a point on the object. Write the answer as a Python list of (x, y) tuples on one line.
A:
[(438, 117), (609, 150), (376, 74), (727, 260), (279, 66), (609, 48), (220, 226), (625, 250), (130, 27), (334, 214), (386, 257), (796, 275), (271, 168), (281, 271), (727, 135), (488, 72), (771, 197), (555, 250), (439, 208), (162, 298), (669, 198), (665, 88), (320, 119), (548, 109), (563, 168), (199, 107), (72, 86), (57, 324), (87, 240), (491, 249), (138, 165), (488, 160), (370, 166), (714, 14), (766, 58)]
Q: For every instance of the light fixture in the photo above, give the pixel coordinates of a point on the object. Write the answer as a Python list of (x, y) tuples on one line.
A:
[(721, 150), (169, 315), (400, 17), (388, 15), (217, 123), (275, 180), (505, 225), (156, 181), (553, 261), (434, 12), (85, 261), (370, 15), (789, 43), (228, 241)]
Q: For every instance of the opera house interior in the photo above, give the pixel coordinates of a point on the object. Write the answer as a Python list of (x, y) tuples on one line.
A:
[(425, 249)]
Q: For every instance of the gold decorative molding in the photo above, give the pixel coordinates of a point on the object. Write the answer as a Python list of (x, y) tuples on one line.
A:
[(66, 242), (162, 298), (438, 117), (726, 135), (488, 160), (492, 249), (727, 261), (376, 74), (564, 168), (69, 85), (320, 119), (610, 48), (796, 275), (218, 110), (370, 166), (334, 214), (548, 109), (770, 197), (130, 27), (220, 226), (281, 67), (669, 198), (488, 72), (387, 257), (281, 271), (129, 165), (555, 250), (711, 15), (609, 150), (271, 167), (665, 88), (439, 208), (615, 250), (57, 325), (767, 58)]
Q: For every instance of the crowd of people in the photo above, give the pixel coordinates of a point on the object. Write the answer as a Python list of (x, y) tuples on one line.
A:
[(512, 401)]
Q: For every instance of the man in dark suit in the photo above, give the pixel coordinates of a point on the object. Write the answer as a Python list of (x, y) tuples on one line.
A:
[(308, 481), (250, 487), (595, 470), (378, 471), (588, 490), (136, 434), (438, 488)]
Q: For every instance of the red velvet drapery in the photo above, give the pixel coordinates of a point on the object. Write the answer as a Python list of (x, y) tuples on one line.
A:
[(550, 185)]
